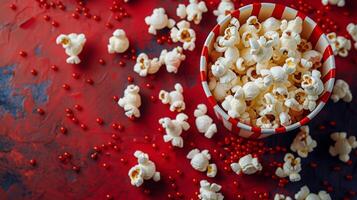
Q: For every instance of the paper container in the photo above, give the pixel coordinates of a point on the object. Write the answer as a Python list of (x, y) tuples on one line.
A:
[(311, 31)]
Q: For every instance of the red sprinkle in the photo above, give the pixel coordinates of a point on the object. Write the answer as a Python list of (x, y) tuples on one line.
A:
[(40, 111), (99, 121), (66, 87), (33, 162), (63, 130), (54, 67), (13, 6), (33, 72), (23, 53)]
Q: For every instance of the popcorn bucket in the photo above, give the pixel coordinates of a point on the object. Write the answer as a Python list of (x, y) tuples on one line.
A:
[(311, 31)]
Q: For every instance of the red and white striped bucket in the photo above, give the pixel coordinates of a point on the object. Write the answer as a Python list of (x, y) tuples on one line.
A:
[(311, 31)]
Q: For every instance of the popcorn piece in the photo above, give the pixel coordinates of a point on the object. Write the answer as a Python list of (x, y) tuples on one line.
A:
[(277, 75), (158, 20), (304, 46), (200, 162), (339, 3), (172, 59), (204, 123), (73, 44), (282, 197), (236, 105), (230, 38), (174, 129), (342, 91), (210, 191), (183, 33), (118, 43), (311, 58), (174, 98), (343, 145), (296, 99), (193, 11), (131, 101), (290, 65), (144, 170), (224, 8), (313, 86), (303, 143), (304, 194), (227, 42), (144, 65), (340, 45), (219, 90), (251, 90), (247, 165), (221, 70), (261, 49), (294, 25), (271, 24), (352, 30), (289, 42), (252, 25), (247, 36), (291, 168), (272, 112), (267, 121)]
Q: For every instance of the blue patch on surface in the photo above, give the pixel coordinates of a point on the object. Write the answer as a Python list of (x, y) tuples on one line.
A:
[(38, 50), (10, 102), (8, 179), (6, 143), (38, 92)]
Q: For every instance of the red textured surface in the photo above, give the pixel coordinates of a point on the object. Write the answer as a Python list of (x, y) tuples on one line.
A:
[(28, 135)]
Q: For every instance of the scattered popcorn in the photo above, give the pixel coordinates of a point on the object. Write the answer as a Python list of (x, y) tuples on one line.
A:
[(144, 65), (204, 123), (158, 20), (339, 3), (224, 8), (342, 91), (291, 168), (282, 197), (174, 129), (172, 59), (264, 73), (303, 143), (247, 165), (343, 145), (210, 191), (340, 45), (118, 43), (183, 33), (73, 44), (174, 98), (200, 162), (304, 194), (144, 170), (131, 101), (193, 11), (352, 30)]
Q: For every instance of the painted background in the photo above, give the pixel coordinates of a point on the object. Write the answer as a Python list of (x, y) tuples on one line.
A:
[(39, 161)]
